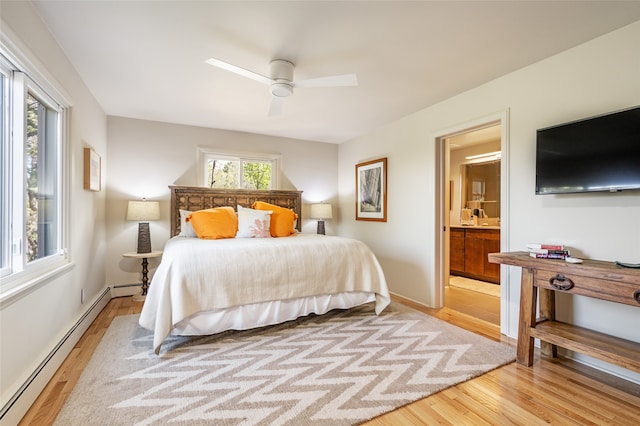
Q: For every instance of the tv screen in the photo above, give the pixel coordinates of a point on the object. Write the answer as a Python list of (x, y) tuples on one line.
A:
[(596, 154)]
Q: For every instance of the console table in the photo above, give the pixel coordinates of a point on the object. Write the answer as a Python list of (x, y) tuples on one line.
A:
[(542, 278)]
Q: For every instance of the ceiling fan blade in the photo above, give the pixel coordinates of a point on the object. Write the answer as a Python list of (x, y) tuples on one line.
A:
[(331, 81), (275, 108), (240, 71)]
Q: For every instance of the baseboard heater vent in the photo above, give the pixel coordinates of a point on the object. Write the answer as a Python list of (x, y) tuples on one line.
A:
[(61, 343), (127, 285)]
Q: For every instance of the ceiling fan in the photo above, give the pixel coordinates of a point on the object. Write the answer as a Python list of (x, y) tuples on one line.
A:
[(280, 80)]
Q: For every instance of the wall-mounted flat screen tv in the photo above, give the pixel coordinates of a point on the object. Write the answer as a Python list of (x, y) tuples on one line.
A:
[(596, 154)]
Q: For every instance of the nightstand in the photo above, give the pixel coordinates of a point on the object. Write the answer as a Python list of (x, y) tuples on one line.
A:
[(145, 263)]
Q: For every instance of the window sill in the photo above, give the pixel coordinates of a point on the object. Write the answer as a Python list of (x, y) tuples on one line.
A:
[(16, 287)]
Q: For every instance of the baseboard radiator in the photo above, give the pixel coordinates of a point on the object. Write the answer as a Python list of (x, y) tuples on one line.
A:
[(19, 404)]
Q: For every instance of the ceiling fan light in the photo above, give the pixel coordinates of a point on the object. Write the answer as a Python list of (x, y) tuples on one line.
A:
[(281, 90)]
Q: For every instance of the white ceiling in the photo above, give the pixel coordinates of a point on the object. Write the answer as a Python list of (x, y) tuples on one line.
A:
[(145, 59), (476, 137)]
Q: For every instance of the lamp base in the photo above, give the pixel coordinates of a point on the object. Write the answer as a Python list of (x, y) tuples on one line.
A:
[(144, 238), (321, 227)]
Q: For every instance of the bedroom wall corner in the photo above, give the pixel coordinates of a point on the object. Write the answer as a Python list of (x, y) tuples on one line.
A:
[(145, 157), (33, 323)]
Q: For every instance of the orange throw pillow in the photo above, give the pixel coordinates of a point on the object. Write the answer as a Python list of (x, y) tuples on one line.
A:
[(282, 219), (214, 224)]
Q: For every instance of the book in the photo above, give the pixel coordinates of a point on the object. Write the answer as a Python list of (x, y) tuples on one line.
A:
[(549, 251), (534, 246), (548, 256)]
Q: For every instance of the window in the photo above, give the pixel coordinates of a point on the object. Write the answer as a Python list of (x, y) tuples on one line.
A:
[(246, 171), (31, 180)]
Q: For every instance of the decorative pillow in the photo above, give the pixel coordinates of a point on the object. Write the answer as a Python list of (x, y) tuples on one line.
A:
[(186, 229), (282, 219), (214, 224), (253, 223)]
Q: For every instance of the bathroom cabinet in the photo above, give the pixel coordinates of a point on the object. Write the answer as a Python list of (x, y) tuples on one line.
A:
[(456, 250), (469, 249)]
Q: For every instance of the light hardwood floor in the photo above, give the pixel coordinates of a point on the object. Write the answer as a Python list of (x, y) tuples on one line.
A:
[(557, 392), (478, 305)]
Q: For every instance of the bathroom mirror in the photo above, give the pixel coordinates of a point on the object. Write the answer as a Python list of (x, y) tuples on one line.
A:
[(481, 186)]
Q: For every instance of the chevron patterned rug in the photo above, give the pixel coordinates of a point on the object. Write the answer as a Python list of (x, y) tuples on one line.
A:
[(341, 368)]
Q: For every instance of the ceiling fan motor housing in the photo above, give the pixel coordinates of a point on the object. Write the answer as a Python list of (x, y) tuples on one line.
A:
[(281, 71)]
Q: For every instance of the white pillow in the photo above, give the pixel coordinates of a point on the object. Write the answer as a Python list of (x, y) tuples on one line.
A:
[(253, 223), (186, 229)]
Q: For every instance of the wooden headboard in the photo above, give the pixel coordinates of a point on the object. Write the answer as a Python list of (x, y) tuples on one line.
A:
[(198, 198)]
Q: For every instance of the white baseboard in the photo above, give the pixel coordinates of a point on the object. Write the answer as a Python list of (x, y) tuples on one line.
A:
[(19, 404), (123, 290), (611, 369)]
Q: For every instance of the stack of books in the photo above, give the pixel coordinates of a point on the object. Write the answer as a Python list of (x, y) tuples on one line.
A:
[(548, 251)]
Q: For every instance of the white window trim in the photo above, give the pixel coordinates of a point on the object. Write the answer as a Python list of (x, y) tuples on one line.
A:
[(26, 85), (17, 287), (203, 152), (6, 156), (18, 283)]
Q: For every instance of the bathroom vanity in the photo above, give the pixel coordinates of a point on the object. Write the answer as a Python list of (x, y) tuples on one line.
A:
[(469, 252)]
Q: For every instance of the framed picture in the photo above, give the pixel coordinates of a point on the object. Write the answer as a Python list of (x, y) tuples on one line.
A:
[(371, 190), (92, 172)]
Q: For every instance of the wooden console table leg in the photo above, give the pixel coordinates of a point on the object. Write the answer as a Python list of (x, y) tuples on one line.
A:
[(548, 311), (528, 293)]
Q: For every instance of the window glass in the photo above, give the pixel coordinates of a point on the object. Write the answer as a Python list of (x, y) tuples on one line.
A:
[(233, 172), (223, 173), (256, 174), (40, 180)]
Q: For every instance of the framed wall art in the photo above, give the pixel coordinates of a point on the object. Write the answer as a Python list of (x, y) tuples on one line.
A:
[(92, 172), (371, 190)]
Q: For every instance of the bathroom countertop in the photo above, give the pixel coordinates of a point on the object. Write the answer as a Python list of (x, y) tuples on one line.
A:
[(474, 227)]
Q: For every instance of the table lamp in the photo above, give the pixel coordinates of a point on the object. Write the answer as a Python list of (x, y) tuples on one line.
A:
[(143, 211), (321, 211)]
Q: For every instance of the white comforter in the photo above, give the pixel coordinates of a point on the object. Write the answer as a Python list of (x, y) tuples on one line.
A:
[(204, 275)]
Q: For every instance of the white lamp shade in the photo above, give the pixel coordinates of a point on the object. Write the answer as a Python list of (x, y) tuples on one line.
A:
[(142, 211), (321, 211)]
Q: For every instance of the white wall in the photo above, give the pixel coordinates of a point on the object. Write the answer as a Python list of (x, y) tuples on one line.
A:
[(146, 157), (32, 324), (597, 77)]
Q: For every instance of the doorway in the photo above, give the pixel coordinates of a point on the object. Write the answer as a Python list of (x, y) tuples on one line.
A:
[(473, 216)]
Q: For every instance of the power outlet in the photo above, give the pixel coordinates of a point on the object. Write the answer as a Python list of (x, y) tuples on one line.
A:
[(82, 296)]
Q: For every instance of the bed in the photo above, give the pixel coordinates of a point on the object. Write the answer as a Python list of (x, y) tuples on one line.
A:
[(203, 287)]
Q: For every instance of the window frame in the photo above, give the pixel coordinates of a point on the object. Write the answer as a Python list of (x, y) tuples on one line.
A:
[(5, 165), (205, 154), (17, 275), (29, 88)]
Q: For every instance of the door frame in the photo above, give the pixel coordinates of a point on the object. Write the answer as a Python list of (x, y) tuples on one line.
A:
[(442, 207)]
